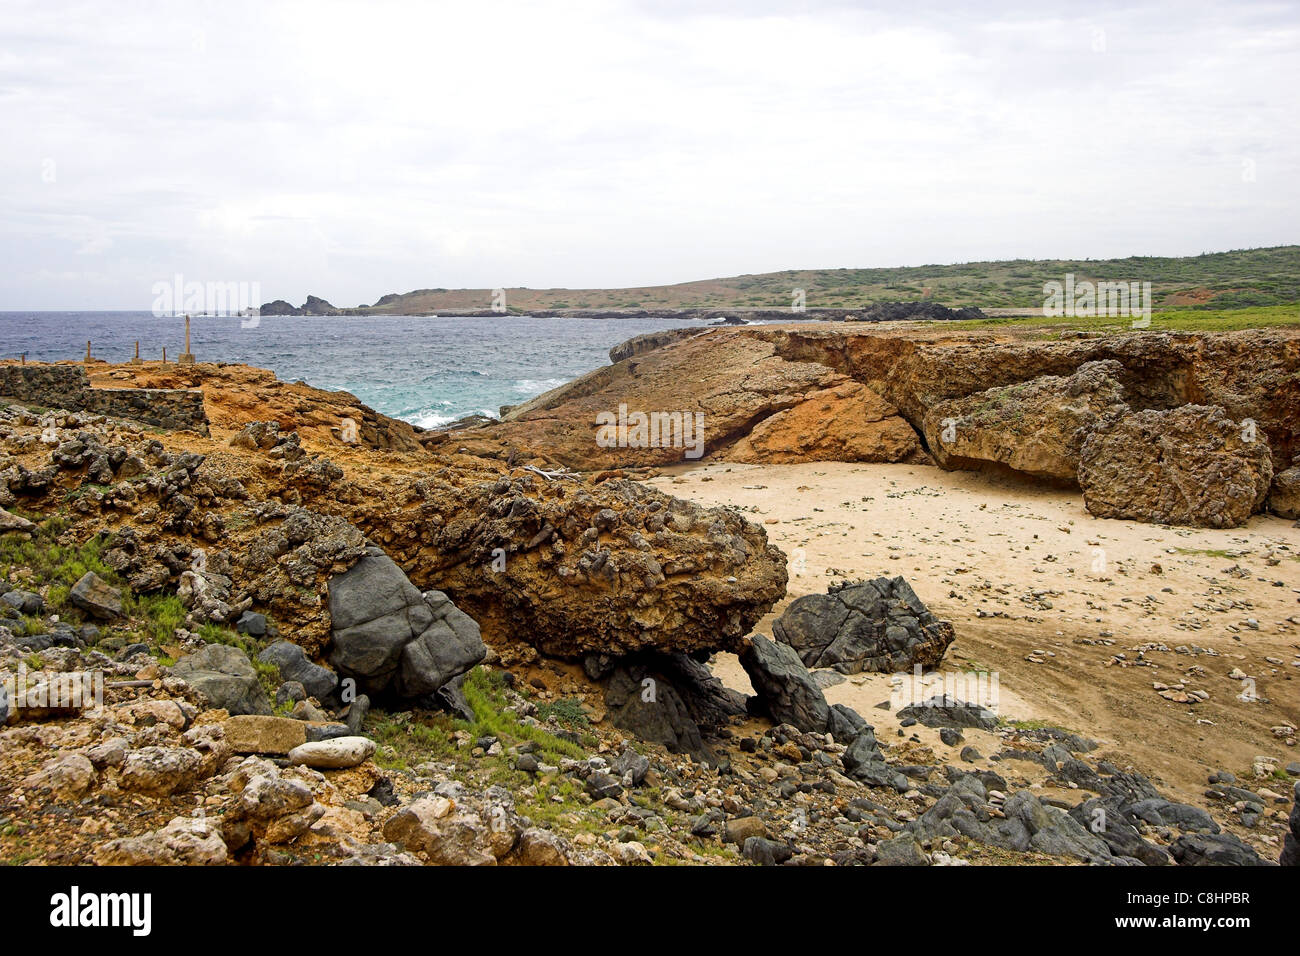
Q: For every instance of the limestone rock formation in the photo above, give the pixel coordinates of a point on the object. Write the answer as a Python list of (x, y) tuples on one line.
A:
[(734, 380), (847, 422), (1284, 496), (575, 568), (1034, 427), (1191, 465), (878, 625)]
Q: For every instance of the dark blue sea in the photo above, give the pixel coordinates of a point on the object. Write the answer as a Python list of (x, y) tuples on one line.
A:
[(427, 371)]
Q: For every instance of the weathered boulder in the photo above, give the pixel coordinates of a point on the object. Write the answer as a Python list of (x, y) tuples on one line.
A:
[(317, 681), (1191, 465), (1036, 427), (334, 754), (97, 597), (783, 685), (1284, 496), (575, 568), (846, 422), (185, 841), (387, 635), (945, 711), (226, 677), (878, 625)]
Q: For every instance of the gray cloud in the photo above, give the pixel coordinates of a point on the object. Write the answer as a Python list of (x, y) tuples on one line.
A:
[(353, 149)]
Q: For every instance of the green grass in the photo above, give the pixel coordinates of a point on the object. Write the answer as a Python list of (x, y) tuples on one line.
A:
[(161, 614), (567, 712), (1169, 320), (59, 565), (1206, 552)]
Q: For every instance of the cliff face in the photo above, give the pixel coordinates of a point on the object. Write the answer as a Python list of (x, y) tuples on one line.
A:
[(973, 400)]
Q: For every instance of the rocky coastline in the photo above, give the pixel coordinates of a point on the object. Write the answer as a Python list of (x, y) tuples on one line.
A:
[(321, 635)]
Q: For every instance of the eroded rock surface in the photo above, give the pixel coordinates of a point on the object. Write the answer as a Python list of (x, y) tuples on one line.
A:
[(878, 625), (1191, 465)]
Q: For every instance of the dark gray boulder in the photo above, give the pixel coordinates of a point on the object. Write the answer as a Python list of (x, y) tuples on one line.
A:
[(644, 702), (390, 637), (1104, 817), (317, 681), (97, 597), (448, 647), (878, 625), (950, 712), (1213, 849), (785, 689), (865, 763), (1291, 841), (765, 852), (226, 677)]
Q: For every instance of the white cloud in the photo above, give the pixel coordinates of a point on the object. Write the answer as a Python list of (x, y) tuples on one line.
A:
[(353, 149)]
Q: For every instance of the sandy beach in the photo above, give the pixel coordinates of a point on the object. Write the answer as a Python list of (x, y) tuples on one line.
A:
[(1079, 617)]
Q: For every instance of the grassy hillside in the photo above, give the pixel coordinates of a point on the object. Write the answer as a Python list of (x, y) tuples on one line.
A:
[(1221, 280)]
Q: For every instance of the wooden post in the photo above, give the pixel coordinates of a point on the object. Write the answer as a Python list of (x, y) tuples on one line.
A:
[(164, 355), (136, 360), (187, 357), (87, 351), (24, 361)]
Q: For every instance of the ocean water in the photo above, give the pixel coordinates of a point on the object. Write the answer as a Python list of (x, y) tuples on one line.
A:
[(427, 371)]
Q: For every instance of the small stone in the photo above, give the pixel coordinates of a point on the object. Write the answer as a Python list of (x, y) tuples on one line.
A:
[(336, 754)]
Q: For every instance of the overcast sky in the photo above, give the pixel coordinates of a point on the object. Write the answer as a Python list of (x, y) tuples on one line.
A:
[(353, 149)]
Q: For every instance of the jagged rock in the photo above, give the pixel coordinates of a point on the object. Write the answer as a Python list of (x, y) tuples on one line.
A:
[(446, 836), (1036, 427), (69, 776), (949, 712), (185, 841), (645, 703), (226, 677), (270, 809), (1030, 824), (1191, 465), (1291, 840), (335, 754), (160, 771), (784, 687), (1106, 818), (386, 633), (878, 625), (317, 681), (866, 764), (1213, 849), (847, 422), (97, 597), (1284, 496), (14, 523)]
